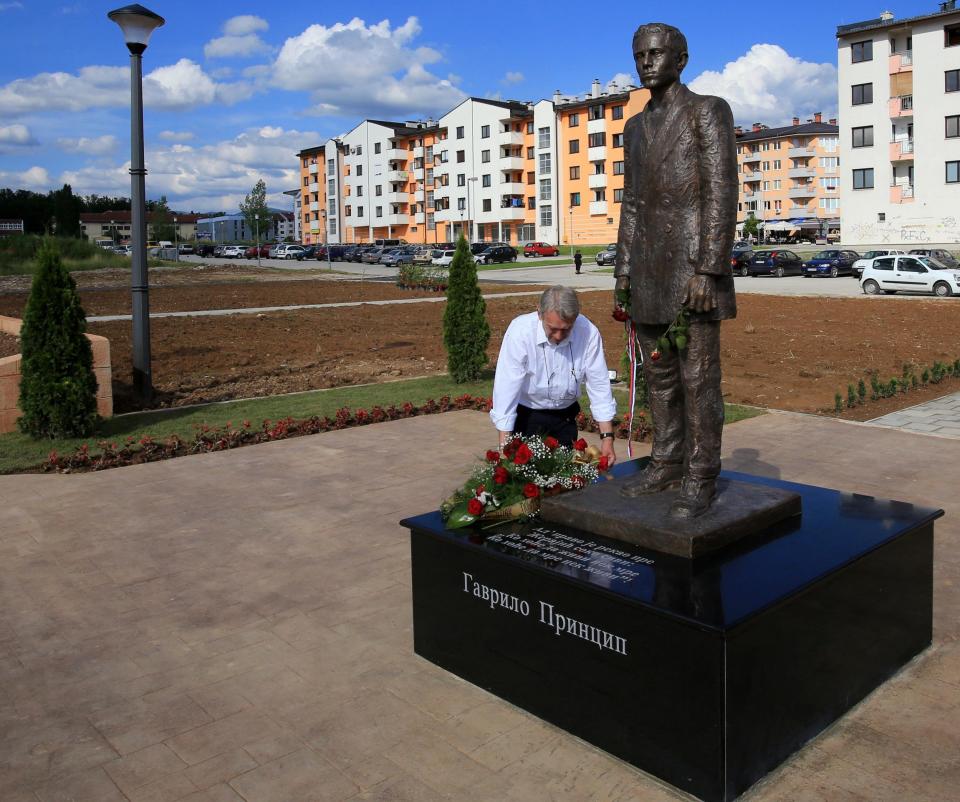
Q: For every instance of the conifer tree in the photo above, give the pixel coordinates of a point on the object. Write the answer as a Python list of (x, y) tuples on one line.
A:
[(58, 389), (465, 328)]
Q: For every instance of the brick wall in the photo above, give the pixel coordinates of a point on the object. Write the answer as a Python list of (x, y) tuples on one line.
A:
[(10, 377)]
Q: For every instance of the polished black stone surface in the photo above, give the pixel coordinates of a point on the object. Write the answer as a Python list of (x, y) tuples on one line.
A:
[(707, 673)]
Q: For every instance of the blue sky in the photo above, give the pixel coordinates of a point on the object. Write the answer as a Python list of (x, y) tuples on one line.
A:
[(234, 89)]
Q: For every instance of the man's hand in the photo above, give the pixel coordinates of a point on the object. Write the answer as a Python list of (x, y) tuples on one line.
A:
[(607, 450), (701, 293)]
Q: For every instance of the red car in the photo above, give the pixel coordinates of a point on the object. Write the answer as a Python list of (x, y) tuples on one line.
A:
[(540, 249), (251, 252)]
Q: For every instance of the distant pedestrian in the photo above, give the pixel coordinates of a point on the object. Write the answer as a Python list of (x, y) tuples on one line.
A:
[(577, 260)]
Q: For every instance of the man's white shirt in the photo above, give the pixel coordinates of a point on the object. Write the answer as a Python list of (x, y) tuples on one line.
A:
[(532, 371)]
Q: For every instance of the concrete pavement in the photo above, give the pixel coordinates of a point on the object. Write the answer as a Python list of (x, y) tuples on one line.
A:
[(237, 626), (940, 417)]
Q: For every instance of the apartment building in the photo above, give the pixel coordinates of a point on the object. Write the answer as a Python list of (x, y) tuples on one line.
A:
[(789, 177), (116, 225), (899, 85)]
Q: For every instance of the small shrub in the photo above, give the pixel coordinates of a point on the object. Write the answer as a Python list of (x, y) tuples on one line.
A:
[(838, 403), (851, 396), (465, 328), (861, 391)]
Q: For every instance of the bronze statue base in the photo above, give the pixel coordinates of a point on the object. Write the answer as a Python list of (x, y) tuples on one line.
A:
[(739, 509)]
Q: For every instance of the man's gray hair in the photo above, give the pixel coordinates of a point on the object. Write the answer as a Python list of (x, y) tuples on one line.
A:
[(675, 38), (562, 300)]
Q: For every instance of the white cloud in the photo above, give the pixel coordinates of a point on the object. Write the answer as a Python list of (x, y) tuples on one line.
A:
[(768, 85), (389, 79), (15, 135), (176, 136), (513, 78), (177, 86), (271, 132), (619, 81), (10, 6), (92, 146), (240, 38), (35, 178)]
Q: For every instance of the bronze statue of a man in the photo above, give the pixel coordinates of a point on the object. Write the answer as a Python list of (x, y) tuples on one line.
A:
[(677, 227)]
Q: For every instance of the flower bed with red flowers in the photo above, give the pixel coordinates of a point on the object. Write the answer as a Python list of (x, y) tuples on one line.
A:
[(509, 485), (207, 438)]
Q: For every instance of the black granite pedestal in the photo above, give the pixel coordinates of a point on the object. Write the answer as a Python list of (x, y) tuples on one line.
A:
[(707, 673)]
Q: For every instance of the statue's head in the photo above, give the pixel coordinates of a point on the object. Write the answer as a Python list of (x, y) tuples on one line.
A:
[(660, 53)]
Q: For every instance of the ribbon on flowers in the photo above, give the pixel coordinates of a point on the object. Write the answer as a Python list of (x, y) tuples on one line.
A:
[(632, 352)]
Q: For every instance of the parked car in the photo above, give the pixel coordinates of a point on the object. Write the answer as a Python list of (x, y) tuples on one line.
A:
[(423, 256), (337, 253), (608, 255), (207, 249), (308, 252), (910, 273), (284, 251), (532, 249), (830, 263), (371, 256), (497, 253), (743, 245), (941, 255), (185, 249), (218, 250), (443, 257), (775, 263), (740, 262), (864, 260), (251, 252), (232, 251), (397, 256)]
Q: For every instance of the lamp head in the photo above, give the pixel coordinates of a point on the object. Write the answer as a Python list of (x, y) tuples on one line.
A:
[(137, 23)]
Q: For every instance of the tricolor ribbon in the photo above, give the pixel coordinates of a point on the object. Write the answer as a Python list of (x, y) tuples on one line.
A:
[(635, 357)]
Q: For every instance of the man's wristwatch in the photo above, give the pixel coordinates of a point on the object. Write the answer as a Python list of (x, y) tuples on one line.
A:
[(606, 435)]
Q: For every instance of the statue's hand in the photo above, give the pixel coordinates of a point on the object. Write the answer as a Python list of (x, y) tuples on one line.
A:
[(623, 283), (701, 293), (621, 299)]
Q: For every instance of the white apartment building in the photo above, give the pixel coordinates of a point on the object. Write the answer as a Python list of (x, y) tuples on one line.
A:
[(899, 86)]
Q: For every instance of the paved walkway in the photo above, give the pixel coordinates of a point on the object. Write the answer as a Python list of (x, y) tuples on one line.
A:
[(940, 417), (237, 626)]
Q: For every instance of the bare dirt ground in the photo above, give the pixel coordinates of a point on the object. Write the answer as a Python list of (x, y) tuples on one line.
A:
[(9, 345)]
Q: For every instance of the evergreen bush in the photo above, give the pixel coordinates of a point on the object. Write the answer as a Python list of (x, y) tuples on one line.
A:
[(58, 389), (465, 328)]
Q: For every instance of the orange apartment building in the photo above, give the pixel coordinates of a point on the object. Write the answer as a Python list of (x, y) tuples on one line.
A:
[(790, 177)]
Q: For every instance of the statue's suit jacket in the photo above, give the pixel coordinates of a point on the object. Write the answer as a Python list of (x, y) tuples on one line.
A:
[(679, 208)]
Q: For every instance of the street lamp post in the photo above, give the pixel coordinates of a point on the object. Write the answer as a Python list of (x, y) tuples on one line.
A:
[(470, 183), (326, 239), (256, 225), (176, 240), (137, 23), (571, 232)]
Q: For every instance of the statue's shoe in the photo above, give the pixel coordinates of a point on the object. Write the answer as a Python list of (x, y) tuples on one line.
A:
[(694, 498), (654, 477)]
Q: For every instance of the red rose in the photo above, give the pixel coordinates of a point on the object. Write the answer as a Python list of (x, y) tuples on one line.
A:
[(501, 475), (580, 445), (480, 489), (620, 314), (510, 448), (604, 463), (493, 456), (654, 355), (474, 506), (523, 455), (551, 442), (530, 490), (577, 482)]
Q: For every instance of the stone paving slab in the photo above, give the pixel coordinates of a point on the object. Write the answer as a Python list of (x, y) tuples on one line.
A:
[(237, 626), (939, 417)]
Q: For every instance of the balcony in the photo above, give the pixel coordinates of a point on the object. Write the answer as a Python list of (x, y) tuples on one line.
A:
[(800, 153), (754, 177), (748, 158), (394, 176), (420, 217), (901, 106), (901, 62), (314, 188), (750, 197), (396, 219), (396, 154), (901, 193), (511, 138), (510, 213), (802, 211), (396, 197), (597, 154), (314, 168), (511, 163), (418, 153), (802, 191), (512, 188), (597, 181), (802, 172), (598, 207), (314, 207), (314, 225), (901, 150), (596, 126)]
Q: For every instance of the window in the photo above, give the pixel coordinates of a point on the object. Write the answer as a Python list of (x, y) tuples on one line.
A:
[(765, 166), (359, 169), (359, 151), (776, 183), (574, 198), (618, 140), (359, 211), (543, 140), (952, 126), (461, 156), (777, 164), (885, 263), (951, 81), (532, 202), (861, 51), (461, 204), (599, 168), (829, 184), (459, 132), (331, 168), (574, 120), (378, 212), (777, 144), (953, 172), (830, 143), (829, 163), (306, 181), (431, 222), (616, 113), (531, 177), (595, 112), (485, 181), (546, 215), (484, 131), (618, 168), (376, 147), (461, 179), (863, 93), (484, 156), (951, 35), (530, 153), (618, 196), (529, 128), (359, 190), (863, 179), (766, 185), (830, 204), (347, 211), (574, 173), (574, 145), (545, 189), (486, 205), (545, 163), (599, 195), (597, 140), (863, 137), (378, 190)]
